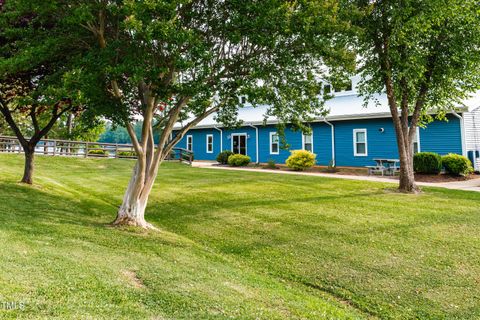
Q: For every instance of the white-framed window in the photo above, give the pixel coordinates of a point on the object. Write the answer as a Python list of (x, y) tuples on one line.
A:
[(327, 88), (190, 143), (274, 143), (360, 144), (242, 99), (209, 143), (307, 142), (416, 141)]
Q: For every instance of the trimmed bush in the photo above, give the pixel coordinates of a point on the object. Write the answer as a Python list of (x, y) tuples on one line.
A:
[(97, 150), (301, 159), (457, 164), (238, 160), (127, 154), (223, 156), (427, 162)]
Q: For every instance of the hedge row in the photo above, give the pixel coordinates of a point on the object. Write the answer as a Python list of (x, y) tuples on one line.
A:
[(432, 163)]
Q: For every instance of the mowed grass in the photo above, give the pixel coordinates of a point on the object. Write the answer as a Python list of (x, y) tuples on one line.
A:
[(233, 244)]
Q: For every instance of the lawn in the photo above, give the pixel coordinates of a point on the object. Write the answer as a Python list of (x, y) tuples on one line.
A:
[(238, 245)]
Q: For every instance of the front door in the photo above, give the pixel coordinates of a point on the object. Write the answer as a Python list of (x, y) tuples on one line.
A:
[(239, 144)]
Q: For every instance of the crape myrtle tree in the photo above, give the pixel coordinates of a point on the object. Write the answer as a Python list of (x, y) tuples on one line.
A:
[(424, 54), (37, 47), (172, 62)]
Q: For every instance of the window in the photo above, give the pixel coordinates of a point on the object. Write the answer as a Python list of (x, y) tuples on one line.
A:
[(416, 141), (360, 142), (327, 89), (307, 142), (274, 143), (190, 143), (243, 99), (209, 143)]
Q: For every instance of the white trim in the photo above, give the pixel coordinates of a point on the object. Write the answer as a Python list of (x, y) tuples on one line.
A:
[(246, 141), (355, 131), (209, 136), (221, 138), (278, 143), (256, 143), (417, 136), (462, 133), (303, 140), (191, 142), (333, 141)]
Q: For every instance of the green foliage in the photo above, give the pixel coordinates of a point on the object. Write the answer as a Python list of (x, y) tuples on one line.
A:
[(127, 154), (271, 164), (428, 50), (238, 160), (427, 162), (300, 160), (222, 157), (457, 164), (97, 150)]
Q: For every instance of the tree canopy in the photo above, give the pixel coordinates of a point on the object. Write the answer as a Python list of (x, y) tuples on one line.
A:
[(424, 54), (167, 61)]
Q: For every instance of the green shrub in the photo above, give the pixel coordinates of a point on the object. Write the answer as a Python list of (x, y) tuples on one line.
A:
[(98, 152), (127, 154), (223, 156), (427, 162), (238, 160), (301, 159), (271, 164), (457, 164)]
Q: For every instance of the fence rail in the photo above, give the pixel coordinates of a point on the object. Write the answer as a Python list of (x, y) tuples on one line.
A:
[(68, 148)]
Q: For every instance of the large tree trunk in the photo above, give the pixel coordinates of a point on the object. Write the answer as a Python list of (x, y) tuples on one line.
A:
[(405, 151), (132, 210), (29, 165), (407, 177)]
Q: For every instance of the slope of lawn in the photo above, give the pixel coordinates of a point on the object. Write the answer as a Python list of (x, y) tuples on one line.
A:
[(233, 245)]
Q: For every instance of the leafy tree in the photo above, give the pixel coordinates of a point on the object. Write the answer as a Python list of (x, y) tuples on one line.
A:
[(78, 126), (424, 54), (37, 46), (176, 61)]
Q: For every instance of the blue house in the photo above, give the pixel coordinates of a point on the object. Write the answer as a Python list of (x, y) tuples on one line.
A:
[(351, 135)]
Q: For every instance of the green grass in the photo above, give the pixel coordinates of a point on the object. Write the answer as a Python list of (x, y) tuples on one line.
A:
[(233, 245)]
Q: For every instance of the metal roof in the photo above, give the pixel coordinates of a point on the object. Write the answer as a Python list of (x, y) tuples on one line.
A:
[(344, 106)]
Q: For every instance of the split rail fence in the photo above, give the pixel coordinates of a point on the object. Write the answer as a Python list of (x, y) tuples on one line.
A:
[(67, 148)]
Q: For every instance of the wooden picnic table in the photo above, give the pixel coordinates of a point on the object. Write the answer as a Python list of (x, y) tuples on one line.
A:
[(384, 166)]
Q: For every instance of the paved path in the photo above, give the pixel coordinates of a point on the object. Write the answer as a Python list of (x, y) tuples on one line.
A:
[(468, 185)]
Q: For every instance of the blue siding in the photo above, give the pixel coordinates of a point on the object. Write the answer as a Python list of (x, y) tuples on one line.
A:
[(379, 144), (440, 136), (200, 143)]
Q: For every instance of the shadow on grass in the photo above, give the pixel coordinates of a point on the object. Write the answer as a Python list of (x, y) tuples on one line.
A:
[(24, 207)]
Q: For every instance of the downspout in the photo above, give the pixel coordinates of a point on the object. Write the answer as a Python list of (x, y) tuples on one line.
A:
[(256, 142), (221, 137), (462, 133), (333, 141)]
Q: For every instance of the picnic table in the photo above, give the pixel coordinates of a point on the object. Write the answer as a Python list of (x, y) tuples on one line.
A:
[(384, 166)]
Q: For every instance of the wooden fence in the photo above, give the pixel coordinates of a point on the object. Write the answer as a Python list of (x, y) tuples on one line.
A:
[(55, 147)]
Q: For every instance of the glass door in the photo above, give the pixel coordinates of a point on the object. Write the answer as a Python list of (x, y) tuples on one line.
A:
[(239, 144)]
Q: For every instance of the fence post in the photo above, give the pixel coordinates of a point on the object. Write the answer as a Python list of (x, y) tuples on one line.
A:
[(86, 149), (54, 147), (116, 150)]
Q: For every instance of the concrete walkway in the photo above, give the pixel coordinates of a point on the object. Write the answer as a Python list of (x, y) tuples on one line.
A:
[(468, 185)]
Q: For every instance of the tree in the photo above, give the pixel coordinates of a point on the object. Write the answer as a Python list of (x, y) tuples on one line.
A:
[(37, 46), (424, 54), (167, 61)]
